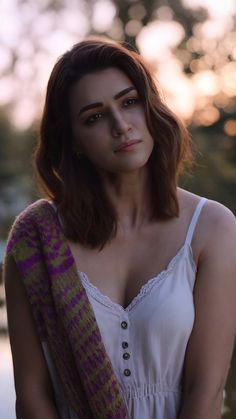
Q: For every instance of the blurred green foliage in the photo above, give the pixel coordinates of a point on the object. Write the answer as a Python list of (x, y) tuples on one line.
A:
[(17, 186), (213, 173)]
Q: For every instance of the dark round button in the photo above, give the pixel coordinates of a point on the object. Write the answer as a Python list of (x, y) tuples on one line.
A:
[(126, 355), (124, 325), (127, 372), (125, 345)]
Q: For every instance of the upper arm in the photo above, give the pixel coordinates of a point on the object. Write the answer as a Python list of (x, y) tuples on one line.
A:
[(211, 342), (30, 370)]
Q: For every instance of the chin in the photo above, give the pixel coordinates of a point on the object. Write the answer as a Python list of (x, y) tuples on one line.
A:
[(133, 165)]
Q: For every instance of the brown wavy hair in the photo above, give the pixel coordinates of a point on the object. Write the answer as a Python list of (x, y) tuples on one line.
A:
[(87, 214)]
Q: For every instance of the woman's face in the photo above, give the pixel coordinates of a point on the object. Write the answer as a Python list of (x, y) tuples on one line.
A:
[(108, 122)]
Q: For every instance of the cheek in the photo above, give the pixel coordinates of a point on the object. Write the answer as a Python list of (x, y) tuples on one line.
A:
[(95, 148), (140, 122), (91, 136), (83, 140)]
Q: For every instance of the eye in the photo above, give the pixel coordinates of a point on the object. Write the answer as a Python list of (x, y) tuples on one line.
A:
[(92, 119), (130, 101)]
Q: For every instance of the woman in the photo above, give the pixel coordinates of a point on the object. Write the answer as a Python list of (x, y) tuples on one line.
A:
[(120, 285)]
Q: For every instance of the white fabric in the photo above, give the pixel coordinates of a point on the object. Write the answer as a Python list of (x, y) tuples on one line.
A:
[(159, 322)]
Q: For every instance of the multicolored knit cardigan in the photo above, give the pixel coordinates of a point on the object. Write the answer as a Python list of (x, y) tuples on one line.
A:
[(63, 314)]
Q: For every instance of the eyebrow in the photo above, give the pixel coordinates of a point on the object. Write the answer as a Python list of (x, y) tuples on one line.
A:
[(97, 104)]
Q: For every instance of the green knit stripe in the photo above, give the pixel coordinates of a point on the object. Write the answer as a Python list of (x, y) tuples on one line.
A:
[(62, 309)]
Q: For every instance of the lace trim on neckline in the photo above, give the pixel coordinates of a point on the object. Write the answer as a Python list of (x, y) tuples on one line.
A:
[(146, 287)]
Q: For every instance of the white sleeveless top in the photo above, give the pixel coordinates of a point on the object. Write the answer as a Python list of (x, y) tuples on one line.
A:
[(147, 340)]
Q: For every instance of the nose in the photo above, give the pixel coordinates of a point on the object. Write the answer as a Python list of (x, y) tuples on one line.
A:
[(120, 126)]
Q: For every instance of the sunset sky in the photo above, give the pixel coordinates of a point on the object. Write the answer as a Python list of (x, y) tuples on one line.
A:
[(24, 88)]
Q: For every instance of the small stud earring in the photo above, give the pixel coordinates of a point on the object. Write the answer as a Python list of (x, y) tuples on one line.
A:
[(79, 154)]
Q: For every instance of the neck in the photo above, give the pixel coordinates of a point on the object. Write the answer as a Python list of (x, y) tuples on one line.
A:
[(130, 196)]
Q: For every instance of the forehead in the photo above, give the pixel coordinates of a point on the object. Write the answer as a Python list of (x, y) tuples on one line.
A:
[(99, 86)]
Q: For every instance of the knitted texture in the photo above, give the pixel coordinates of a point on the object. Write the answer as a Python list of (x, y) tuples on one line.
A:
[(63, 314)]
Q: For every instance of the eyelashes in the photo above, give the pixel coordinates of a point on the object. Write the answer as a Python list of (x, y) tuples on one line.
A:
[(131, 101), (96, 117), (93, 118)]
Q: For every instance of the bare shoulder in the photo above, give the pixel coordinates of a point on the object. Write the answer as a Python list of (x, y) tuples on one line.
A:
[(216, 213), (217, 223), (211, 342), (217, 227)]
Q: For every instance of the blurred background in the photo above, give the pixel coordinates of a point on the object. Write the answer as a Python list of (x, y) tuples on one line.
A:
[(191, 46)]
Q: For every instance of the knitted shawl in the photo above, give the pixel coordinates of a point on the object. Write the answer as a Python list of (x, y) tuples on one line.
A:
[(63, 314)]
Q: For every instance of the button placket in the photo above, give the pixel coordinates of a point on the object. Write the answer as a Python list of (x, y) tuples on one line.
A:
[(125, 348), (125, 344)]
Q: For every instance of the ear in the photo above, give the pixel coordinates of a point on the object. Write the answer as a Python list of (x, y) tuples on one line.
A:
[(79, 153)]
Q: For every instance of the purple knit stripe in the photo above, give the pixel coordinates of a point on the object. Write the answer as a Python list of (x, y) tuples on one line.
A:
[(83, 336), (10, 244), (113, 406), (57, 250), (68, 292), (26, 264), (74, 304), (76, 299), (75, 392), (121, 414), (108, 397), (57, 245), (67, 313), (66, 252), (78, 331), (14, 239), (94, 337), (37, 294), (62, 268), (71, 322), (61, 253), (63, 288), (89, 366), (53, 255), (76, 319), (98, 369)]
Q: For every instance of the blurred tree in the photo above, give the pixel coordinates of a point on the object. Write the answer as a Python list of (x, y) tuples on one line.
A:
[(146, 11), (16, 182), (41, 32), (214, 173), (214, 118)]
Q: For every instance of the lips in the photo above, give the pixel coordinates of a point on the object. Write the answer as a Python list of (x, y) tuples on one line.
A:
[(126, 145)]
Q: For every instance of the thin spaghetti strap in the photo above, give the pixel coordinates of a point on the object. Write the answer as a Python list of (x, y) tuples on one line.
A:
[(194, 220)]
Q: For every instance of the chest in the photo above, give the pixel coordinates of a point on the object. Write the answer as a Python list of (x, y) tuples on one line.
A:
[(123, 267)]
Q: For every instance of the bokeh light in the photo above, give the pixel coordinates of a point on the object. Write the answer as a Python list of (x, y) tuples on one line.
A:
[(195, 73), (230, 127), (103, 14), (158, 37), (217, 9)]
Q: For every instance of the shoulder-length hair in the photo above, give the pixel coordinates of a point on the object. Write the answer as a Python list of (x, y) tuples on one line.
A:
[(72, 183)]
